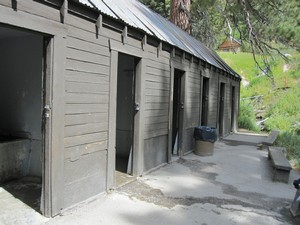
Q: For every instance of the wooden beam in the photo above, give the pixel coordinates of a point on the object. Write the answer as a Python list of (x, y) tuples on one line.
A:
[(144, 42), (31, 22), (139, 120), (199, 63), (170, 127), (173, 54), (99, 22), (183, 57), (64, 11), (124, 35), (191, 61), (14, 4), (159, 49), (119, 47), (111, 154)]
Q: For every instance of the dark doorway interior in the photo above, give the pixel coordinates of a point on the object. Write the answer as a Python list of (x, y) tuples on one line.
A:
[(232, 107), (125, 112), (205, 95), (221, 109), (21, 97), (178, 104)]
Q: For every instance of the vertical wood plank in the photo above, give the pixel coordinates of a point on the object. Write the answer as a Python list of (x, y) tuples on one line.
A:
[(111, 161), (170, 128), (47, 122), (183, 114), (138, 149), (57, 134)]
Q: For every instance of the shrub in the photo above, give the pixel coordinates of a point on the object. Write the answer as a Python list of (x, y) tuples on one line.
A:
[(284, 113), (291, 141), (246, 117)]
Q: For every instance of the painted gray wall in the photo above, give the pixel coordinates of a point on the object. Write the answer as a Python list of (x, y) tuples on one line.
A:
[(156, 114), (14, 158), (20, 92), (155, 152), (87, 85)]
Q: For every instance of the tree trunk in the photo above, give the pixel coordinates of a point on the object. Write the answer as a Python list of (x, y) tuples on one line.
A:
[(180, 14)]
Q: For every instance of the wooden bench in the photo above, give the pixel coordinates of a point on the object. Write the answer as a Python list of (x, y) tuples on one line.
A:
[(281, 166), (271, 138)]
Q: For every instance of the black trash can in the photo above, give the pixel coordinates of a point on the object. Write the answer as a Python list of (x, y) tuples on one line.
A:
[(205, 138)]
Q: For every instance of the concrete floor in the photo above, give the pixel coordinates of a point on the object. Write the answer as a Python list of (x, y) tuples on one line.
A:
[(233, 186)]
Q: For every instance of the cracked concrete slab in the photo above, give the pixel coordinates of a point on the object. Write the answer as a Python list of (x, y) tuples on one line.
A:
[(233, 186)]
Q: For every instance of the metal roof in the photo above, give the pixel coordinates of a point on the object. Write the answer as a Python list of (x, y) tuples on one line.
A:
[(137, 15)]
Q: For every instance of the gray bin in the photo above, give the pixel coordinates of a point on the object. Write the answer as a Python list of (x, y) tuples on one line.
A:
[(205, 138), (204, 148)]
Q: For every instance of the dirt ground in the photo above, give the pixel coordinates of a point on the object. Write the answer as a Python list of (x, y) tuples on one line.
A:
[(233, 186)]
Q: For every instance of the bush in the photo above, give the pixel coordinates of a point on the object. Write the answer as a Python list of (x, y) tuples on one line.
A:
[(291, 141), (284, 113), (247, 118)]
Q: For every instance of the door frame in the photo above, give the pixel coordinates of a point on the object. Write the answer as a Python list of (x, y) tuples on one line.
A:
[(53, 135), (221, 111), (180, 109), (138, 138), (53, 183), (233, 111), (204, 110), (174, 65)]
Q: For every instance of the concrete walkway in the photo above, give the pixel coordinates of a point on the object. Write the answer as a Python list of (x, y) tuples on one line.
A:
[(233, 186)]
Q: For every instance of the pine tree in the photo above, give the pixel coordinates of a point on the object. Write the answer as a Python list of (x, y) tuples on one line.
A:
[(180, 14)]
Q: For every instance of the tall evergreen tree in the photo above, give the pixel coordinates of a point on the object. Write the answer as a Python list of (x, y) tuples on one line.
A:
[(180, 14)]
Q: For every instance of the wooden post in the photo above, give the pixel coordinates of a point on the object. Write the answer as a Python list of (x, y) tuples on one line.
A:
[(170, 128), (53, 182), (138, 153), (111, 154)]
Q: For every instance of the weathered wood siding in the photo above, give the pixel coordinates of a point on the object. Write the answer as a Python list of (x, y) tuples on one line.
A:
[(192, 105), (227, 105), (84, 114), (212, 117), (86, 111), (157, 94)]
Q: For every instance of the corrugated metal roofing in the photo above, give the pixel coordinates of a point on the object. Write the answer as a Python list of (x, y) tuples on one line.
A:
[(137, 15)]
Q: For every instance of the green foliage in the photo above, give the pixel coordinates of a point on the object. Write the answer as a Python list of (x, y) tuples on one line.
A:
[(246, 117), (287, 29), (284, 111), (207, 23), (162, 7), (270, 21), (291, 141), (281, 103)]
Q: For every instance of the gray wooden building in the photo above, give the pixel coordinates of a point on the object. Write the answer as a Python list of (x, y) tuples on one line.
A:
[(91, 87)]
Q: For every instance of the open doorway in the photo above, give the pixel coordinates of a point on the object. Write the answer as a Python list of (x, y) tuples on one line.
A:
[(178, 106), (126, 110), (232, 109), (221, 109), (205, 95), (22, 58)]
